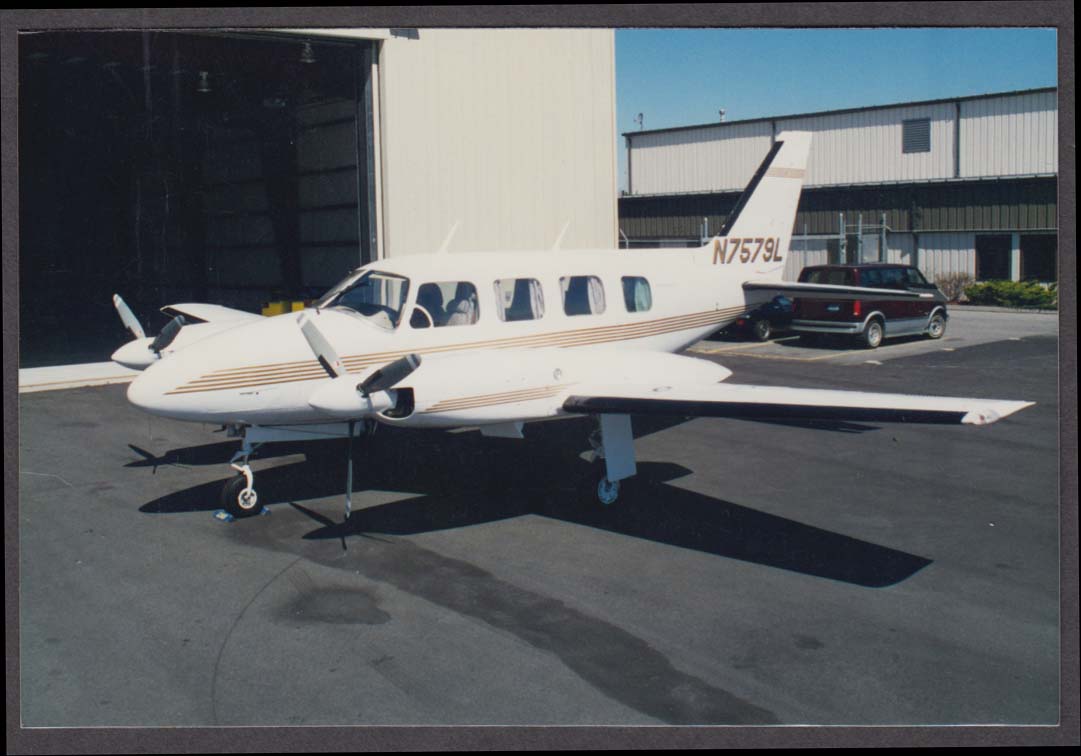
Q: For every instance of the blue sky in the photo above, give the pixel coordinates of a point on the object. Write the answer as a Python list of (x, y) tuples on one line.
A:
[(684, 76)]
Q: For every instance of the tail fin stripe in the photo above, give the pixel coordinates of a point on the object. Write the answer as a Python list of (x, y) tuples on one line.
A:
[(779, 172)]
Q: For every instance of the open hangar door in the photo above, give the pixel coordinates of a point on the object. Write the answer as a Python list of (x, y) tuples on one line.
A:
[(176, 167)]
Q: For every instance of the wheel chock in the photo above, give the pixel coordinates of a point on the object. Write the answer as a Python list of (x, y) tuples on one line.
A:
[(221, 514)]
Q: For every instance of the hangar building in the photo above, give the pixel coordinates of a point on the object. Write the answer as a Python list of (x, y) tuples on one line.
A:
[(961, 185), (237, 168)]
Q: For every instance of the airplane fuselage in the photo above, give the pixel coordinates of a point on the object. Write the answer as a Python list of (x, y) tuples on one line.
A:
[(482, 368)]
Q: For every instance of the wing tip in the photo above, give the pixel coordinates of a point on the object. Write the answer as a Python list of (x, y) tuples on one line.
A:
[(993, 413)]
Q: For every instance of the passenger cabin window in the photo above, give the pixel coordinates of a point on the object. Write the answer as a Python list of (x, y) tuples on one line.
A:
[(445, 303), (637, 295), (582, 295), (519, 299), (377, 297)]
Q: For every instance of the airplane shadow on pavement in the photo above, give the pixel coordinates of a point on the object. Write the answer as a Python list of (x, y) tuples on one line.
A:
[(477, 480)]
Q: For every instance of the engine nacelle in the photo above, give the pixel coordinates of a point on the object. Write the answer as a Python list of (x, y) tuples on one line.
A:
[(341, 398)]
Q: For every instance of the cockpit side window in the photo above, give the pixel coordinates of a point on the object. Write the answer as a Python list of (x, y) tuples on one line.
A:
[(519, 299), (582, 295), (461, 306), (377, 297)]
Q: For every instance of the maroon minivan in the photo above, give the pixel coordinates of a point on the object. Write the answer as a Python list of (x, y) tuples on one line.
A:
[(871, 321)]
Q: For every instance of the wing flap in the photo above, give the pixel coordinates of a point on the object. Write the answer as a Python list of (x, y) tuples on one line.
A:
[(832, 291), (781, 403)]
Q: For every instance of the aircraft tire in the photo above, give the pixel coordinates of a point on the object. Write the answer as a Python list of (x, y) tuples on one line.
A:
[(607, 491), (235, 502)]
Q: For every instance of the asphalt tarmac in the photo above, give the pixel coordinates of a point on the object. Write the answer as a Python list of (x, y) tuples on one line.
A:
[(752, 574)]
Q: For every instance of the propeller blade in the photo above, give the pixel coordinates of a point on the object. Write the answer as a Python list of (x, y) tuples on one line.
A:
[(389, 374), (168, 333), (128, 318), (319, 345)]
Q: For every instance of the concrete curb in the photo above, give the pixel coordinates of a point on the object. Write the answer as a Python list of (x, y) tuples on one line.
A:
[(955, 307)]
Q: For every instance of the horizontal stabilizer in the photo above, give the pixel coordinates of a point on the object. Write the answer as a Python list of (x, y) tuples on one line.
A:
[(831, 291), (781, 403)]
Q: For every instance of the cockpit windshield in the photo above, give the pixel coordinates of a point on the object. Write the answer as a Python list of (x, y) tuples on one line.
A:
[(378, 297)]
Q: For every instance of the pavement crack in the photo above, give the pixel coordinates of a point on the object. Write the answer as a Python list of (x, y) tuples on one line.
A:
[(228, 635)]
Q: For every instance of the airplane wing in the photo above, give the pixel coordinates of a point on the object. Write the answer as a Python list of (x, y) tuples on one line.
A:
[(197, 312), (831, 291), (782, 403)]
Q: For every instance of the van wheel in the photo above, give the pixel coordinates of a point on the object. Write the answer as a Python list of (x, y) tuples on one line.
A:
[(872, 334), (937, 327)]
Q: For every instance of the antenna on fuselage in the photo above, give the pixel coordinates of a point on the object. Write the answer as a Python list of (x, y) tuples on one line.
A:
[(559, 239), (450, 235)]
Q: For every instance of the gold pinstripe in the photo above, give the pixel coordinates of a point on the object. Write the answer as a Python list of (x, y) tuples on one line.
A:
[(486, 400), (292, 372)]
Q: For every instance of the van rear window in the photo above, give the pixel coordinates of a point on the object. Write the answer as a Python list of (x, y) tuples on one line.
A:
[(827, 276)]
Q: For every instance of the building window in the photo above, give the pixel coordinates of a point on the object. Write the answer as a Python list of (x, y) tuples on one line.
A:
[(637, 295), (582, 295), (519, 299), (916, 135)]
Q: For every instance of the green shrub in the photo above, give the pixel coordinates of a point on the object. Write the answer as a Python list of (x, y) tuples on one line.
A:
[(1013, 294)]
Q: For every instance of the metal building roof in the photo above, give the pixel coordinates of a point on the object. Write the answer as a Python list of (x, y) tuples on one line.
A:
[(939, 101)]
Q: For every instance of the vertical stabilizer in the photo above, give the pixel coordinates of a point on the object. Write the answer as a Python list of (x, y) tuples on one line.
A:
[(767, 207)]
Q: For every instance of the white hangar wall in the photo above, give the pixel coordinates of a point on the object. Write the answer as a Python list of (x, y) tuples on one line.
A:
[(509, 133)]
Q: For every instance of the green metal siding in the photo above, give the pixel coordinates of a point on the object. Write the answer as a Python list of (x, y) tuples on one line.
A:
[(1028, 204)]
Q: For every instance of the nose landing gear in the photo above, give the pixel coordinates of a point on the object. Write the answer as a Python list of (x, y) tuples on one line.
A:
[(238, 496)]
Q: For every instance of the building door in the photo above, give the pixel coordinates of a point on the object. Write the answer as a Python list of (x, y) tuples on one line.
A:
[(177, 167), (993, 257), (1038, 261)]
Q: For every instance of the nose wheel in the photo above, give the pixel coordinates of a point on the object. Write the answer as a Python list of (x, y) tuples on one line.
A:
[(238, 496)]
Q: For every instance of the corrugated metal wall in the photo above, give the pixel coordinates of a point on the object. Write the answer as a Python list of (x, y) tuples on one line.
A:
[(509, 132), (711, 159), (804, 252), (1007, 135), (865, 146), (1006, 205), (943, 254)]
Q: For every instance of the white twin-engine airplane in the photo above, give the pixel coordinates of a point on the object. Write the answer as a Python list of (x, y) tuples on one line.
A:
[(496, 340)]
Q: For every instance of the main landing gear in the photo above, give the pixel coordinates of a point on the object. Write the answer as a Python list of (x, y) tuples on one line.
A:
[(612, 458)]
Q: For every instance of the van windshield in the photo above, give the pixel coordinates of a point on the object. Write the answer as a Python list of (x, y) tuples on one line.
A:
[(377, 297)]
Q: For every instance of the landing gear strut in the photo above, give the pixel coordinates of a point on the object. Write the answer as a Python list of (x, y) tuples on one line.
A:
[(612, 456), (238, 496)]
